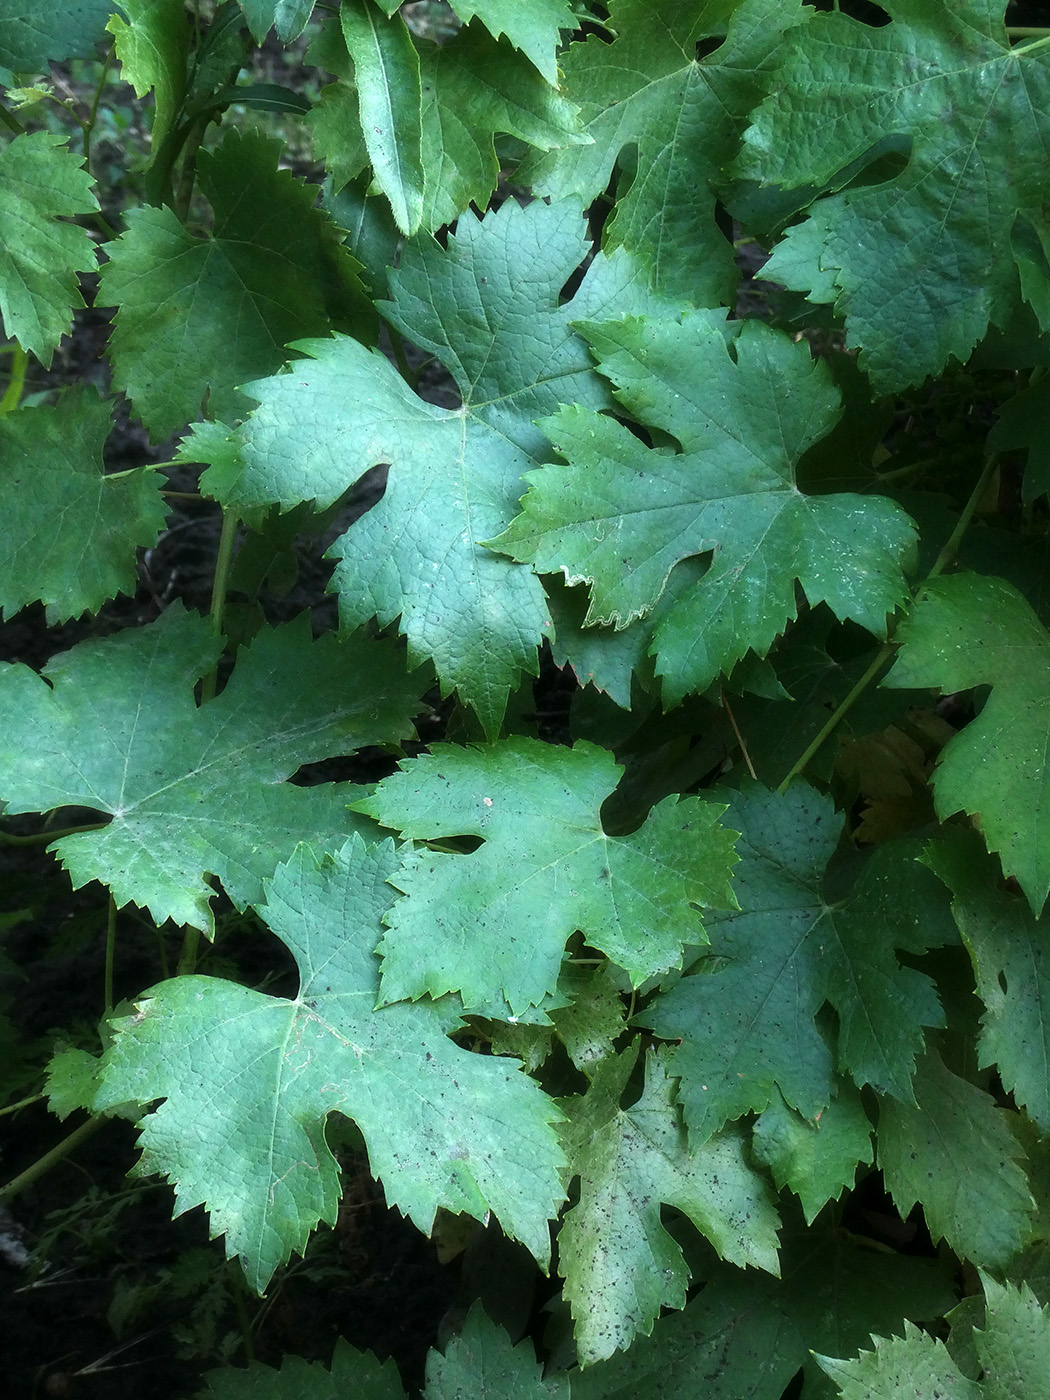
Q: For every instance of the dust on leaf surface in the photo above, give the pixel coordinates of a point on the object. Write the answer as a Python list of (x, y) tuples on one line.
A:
[(953, 1152), (921, 262), (42, 183), (247, 1081), (620, 516), (68, 533), (914, 1364), (968, 630), (493, 924), (749, 1025), (648, 95), (196, 317), (112, 725), (488, 306), (620, 1264)]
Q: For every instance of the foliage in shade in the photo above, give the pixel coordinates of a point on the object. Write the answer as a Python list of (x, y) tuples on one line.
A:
[(248, 1080), (32, 32)]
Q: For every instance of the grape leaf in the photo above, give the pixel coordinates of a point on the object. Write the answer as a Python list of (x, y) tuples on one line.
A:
[(481, 1364), (619, 1263), (493, 925), (469, 88), (153, 46), (288, 16), (68, 533), (1011, 957), (953, 1153), (967, 630), (796, 942), (620, 516), (352, 1372), (649, 92), (815, 1160), (198, 316), (922, 261), (488, 305), (112, 725), (33, 32), (41, 184), (386, 74), (914, 1364), (533, 26), (248, 1080)]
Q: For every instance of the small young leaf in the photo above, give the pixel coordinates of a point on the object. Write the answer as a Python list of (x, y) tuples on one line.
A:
[(493, 925), (248, 1081)]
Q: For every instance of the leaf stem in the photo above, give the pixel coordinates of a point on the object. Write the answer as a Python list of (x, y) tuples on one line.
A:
[(13, 393), (40, 838), (50, 1159), (1038, 43), (22, 1103), (188, 956), (223, 564), (89, 126), (11, 121), (944, 559)]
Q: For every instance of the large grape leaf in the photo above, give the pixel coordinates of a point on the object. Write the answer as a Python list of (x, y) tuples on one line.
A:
[(795, 943), (488, 305), (34, 32), (619, 1263), (42, 183), (1011, 957), (196, 317), (968, 630), (666, 121), (248, 1080), (112, 725), (68, 532), (493, 924), (918, 263), (468, 89), (621, 515), (953, 1153)]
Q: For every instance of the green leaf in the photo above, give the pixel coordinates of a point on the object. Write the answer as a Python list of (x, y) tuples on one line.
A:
[(1011, 957), (1014, 1347), (34, 32), (953, 1153), (481, 1364), (619, 1263), (967, 630), (153, 46), (248, 1081), (197, 317), (817, 1160), (648, 93), (41, 184), (621, 515), (488, 306), (112, 725), (352, 1372), (922, 261), (289, 16), (68, 533), (795, 943), (533, 26), (386, 72), (493, 925), (593, 1018), (911, 1365)]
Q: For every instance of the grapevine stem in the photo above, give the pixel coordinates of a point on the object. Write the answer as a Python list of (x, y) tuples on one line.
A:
[(223, 563), (188, 956), (22, 1103), (89, 126), (11, 121), (50, 1159), (13, 393), (885, 652)]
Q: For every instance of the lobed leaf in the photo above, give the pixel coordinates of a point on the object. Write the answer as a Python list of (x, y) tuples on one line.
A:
[(247, 1081), (112, 725), (493, 925)]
